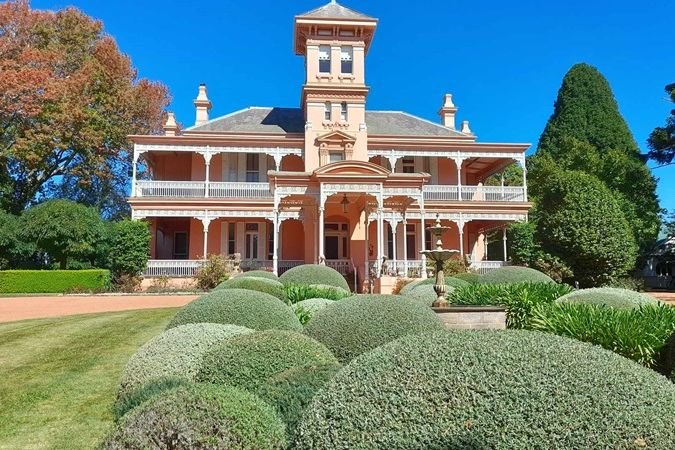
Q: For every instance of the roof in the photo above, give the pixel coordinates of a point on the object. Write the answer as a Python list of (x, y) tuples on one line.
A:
[(292, 120), (333, 10)]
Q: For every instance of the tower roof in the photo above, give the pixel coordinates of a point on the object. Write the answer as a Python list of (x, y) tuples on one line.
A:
[(333, 10)]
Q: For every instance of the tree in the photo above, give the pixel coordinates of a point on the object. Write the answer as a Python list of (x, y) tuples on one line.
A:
[(662, 139), (9, 239), (68, 100), (587, 132), (580, 221), (129, 248), (63, 229), (513, 176)]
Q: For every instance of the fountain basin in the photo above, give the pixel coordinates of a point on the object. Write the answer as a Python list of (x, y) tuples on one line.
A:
[(469, 317)]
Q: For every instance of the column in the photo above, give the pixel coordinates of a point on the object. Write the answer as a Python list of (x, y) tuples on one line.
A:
[(205, 225), (207, 163), (392, 162), (393, 224), (367, 252), (458, 163), (322, 258), (380, 235), (504, 241), (460, 226), (423, 245), (275, 244), (485, 245), (133, 172), (405, 247)]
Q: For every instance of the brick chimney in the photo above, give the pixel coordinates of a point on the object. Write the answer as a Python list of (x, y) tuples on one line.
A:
[(202, 105), (447, 112), (170, 126)]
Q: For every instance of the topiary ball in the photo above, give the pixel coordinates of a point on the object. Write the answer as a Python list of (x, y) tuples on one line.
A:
[(312, 305), (272, 287), (247, 361), (410, 286), (491, 389), (199, 416), (252, 309), (291, 391), (613, 297), (174, 353), (358, 324), (145, 392), (469, 277), (259, 274), (515, 274), (424, 294), (314, 274)]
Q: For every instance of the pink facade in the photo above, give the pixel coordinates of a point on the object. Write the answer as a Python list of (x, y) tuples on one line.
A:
[(330, 181)]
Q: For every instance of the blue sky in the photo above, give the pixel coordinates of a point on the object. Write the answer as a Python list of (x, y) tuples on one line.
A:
[(502, 60)]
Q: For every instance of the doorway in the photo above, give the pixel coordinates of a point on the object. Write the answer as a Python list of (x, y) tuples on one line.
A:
[(336, 241)]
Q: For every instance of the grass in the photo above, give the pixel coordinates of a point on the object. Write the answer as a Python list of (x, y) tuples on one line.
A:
[(58, 377)]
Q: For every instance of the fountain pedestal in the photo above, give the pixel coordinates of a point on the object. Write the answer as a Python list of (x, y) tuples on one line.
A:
[(439, 256)]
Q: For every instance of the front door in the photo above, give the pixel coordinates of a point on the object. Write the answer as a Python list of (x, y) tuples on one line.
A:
[(180, 245), (252, 237), (332, 250), (336, 241)]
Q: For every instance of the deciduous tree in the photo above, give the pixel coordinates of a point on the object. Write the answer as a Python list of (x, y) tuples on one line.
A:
[(662, 139), (68, 99)]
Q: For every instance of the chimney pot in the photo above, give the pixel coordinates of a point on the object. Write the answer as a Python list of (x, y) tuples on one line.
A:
[(202, 105), (447, 112), (465, 127), (170, 126)]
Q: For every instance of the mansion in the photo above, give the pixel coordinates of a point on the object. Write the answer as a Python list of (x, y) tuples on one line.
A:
[(329, 182)]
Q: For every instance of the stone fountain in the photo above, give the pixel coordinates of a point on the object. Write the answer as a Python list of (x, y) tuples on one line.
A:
[(439, 255)]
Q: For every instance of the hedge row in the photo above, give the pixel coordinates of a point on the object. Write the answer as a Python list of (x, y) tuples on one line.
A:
[(53, 281)]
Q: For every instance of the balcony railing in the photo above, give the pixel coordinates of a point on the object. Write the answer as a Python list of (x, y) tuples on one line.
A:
[(474, 193), (197, 189), (483, 267), (186, 268), (399, 268)]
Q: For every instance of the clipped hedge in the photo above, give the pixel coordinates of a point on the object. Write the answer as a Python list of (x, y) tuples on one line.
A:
[(425, 294), (291, 391), (145, 392), (248, 360), (272, 287), (358, 324), (314, 274), (259, 274), (469, 277), (641, 334), (614, 297), (313, 305), (176, 352), (515, 274), (251, 309), (199, 416), (490, 389), (53, 281), (518, 298)]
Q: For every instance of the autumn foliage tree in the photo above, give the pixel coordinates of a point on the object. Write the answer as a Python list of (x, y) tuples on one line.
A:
[(68, 100)]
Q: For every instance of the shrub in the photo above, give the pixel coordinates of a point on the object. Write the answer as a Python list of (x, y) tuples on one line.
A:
[(291, 391), (174, 353), (271, 287), (425, 294), (360, 323), (518, 298), (614, 297), (199, 416), (490, 389), (145, 392), (469, 277), (212, 273), (298, 292), (314, 274), (259, 274), (247, 361), (127, 283), (251, 309), (515, 274), (129, 248), (639, 334), (53, 281), (306, 309)]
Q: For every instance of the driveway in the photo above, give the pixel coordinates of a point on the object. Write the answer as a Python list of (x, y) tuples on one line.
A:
[(21, 308)]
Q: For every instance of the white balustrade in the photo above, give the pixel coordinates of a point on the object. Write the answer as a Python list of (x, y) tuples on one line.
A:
[(475, 193), (239, 190), (482, 267), (256, 264), (179, 189), (286, 265), (344, 266), (174, 268), (399, 268)]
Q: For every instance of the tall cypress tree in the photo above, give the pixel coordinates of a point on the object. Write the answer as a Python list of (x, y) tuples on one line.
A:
[(586, 132)]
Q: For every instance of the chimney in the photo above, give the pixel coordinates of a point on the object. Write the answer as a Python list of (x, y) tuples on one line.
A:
[(203, 106), (465, 127), (447, 112), (170, 126)]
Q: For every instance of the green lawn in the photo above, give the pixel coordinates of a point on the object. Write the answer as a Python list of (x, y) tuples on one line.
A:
[(58, 377)]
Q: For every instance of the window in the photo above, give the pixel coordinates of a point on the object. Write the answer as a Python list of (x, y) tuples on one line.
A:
[(324, 59), (336, 156), (251, 241), (408, 165), (231, 238), (427, 240), (347, 59), (411, 241), (252, 168), (327, 111), (180, 245), (343, 111)]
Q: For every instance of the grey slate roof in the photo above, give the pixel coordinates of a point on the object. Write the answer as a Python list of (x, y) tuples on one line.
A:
[(291, 120), (335, 11)]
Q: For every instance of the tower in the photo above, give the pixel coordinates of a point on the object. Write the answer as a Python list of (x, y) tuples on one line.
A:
[(334, 41)]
